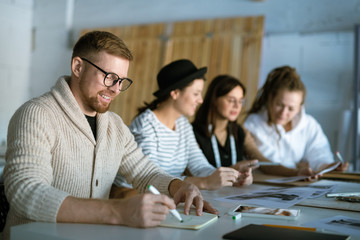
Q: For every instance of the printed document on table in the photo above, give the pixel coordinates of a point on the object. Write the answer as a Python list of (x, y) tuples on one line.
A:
[(320, 190), (299, 178), (340, 224), (274, 197)]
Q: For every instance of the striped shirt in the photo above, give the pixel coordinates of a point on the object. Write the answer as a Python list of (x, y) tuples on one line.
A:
[(173, 151)]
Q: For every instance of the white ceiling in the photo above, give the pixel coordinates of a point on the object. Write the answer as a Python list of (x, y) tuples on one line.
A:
[(281, 16)]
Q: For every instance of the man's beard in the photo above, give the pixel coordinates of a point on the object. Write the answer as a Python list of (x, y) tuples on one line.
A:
[(93, 102), (95, 105)]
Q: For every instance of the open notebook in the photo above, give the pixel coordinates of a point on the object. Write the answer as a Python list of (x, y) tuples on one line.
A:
[(191, 221)]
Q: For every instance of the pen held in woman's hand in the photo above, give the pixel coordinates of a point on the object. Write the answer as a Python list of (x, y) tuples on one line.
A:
[(339, 157)]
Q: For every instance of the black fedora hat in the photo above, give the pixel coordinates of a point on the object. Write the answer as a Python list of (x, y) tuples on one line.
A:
[(176, 75)]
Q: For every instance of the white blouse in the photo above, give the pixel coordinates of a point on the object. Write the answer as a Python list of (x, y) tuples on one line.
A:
[(306, 142)]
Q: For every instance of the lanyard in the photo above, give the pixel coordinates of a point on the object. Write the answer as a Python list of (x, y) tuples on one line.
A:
[(216, 150)]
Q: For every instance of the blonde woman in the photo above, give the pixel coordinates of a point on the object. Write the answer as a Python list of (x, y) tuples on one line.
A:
[(283, 131)]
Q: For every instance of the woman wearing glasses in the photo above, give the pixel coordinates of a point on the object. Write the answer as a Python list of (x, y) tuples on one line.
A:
[(163, 132), (283, 132), (223, 141)]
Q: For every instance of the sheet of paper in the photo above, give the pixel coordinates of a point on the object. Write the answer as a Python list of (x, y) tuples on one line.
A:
[(329, 169), (340, 224), (299, 178), (275, 197), (287, 179), (320, 190)]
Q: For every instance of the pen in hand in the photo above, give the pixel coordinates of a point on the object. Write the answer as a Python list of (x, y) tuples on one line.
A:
[(338, 155), (174, 212)]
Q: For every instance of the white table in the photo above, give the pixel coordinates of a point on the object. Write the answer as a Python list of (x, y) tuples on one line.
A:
[(213, 231)]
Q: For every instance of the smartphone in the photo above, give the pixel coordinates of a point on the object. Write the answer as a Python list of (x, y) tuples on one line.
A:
[(259, 164)]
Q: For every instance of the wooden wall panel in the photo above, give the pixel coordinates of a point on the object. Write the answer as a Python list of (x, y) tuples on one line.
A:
[(226, 46)]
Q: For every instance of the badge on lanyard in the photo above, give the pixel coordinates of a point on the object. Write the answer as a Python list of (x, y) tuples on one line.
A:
[(217, 154)]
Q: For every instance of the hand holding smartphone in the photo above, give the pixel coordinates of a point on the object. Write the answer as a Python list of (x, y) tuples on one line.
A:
[(259, 164)]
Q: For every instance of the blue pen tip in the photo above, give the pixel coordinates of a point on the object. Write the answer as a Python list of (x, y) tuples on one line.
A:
[(182, 221)]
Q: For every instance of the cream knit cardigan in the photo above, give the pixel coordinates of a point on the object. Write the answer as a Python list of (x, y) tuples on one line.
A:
[(52, 154)]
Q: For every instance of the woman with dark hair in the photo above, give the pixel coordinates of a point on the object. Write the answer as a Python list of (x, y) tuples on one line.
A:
[(163, 132), (223, 141), (282, 130)]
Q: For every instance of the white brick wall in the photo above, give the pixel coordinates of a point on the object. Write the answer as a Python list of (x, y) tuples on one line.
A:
[(15, 44), (325, 64)]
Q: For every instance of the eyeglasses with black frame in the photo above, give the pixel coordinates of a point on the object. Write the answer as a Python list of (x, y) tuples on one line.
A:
[(111, 79)]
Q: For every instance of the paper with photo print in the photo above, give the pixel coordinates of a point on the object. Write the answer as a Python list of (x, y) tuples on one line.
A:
[(299, 178), (340, 224), (320, 190), (275, 197)]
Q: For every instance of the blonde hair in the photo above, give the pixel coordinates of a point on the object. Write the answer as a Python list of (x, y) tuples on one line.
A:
[(281, 78)]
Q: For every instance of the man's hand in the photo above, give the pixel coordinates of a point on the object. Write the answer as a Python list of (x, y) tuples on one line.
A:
[(189, 194), (145, 210)]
